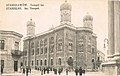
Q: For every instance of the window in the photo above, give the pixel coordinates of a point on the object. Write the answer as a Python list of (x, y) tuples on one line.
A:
[(60, 47), (51, 61), (59, 61), (93, 50), (45, 42), (37, 62), (45, 50), (32, 51), (16, 45), (45, 62), (89, 48), (41, 50), (32, 45), (81, 47), (52, 48), (2, 63), (41, 62), (70, 46), (32, 63), (37, 52), (2, 44)]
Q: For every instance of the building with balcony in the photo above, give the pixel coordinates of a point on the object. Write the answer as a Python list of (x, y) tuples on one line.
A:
[(10, 51), (63, 46)]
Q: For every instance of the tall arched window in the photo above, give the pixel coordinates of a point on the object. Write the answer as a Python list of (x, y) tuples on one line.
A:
[(2, 44), (59, 61), (45, 62)]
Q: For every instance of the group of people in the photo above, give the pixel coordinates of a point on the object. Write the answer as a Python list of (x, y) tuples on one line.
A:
[(78, 71), (47, 70)]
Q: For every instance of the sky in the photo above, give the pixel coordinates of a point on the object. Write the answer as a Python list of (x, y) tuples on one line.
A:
[(49, 15)]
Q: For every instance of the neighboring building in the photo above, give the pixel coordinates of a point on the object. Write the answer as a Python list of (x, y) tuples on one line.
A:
[(62, 46), (100, 58), (10, 53), (112, 65)]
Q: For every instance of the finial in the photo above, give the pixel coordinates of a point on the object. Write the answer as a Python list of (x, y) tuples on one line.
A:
[(65, 0)]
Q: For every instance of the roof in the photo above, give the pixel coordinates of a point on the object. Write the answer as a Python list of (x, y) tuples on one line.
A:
[(60, 27), (11, 32)]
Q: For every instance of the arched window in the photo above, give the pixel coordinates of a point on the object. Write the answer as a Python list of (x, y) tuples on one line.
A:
[(59, 61), (51, 61), (32, 45), (37, 62), (45, 63), (32, 63), (41, 62), (2, 44)]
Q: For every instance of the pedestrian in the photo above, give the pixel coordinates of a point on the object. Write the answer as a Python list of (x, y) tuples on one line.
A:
[(30, 70), (41, 71), (67, 71), (44, 70), (76, 71), (26, 71), (23, 70), (80, 71)]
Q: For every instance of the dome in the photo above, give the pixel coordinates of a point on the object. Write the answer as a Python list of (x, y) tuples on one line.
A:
[(87, 17), (30, 22), (65, 6)]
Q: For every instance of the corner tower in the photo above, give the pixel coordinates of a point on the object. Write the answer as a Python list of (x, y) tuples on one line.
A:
[(88, 21), (65, 9), (30, 28)]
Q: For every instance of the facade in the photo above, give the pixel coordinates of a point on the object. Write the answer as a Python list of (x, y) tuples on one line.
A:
[(112, 65), (10, 53), (63, 46)]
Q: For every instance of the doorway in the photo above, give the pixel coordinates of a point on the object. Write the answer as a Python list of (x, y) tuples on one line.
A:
[(15, 65)]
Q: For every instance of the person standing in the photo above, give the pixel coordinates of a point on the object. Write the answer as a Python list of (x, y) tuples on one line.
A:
[(26, 71), (67, 71), (76, 71), (80, 71)]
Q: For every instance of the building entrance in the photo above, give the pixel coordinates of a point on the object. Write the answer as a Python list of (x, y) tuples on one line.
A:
[(15, 65)]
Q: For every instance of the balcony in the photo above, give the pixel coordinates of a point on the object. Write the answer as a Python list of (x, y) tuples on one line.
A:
[(16, 53)]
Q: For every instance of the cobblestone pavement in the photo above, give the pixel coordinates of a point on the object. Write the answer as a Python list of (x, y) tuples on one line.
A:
[(37, 73)]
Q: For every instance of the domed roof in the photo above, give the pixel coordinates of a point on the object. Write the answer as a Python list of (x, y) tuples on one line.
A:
[(30, 22), (65, 6), (87, 17)]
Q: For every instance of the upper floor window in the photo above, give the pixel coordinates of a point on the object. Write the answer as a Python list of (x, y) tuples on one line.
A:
[(41, 52), (81, 47), (16, 45), (45, 50), (45, 62), (45, 42), (52, 48), (51, 61), (93, 50), (59, 46), (2, 44), (89, 48), (41, 62), (70, 47), (37, 62), (59, 61), (32, 51), (32, 45)]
